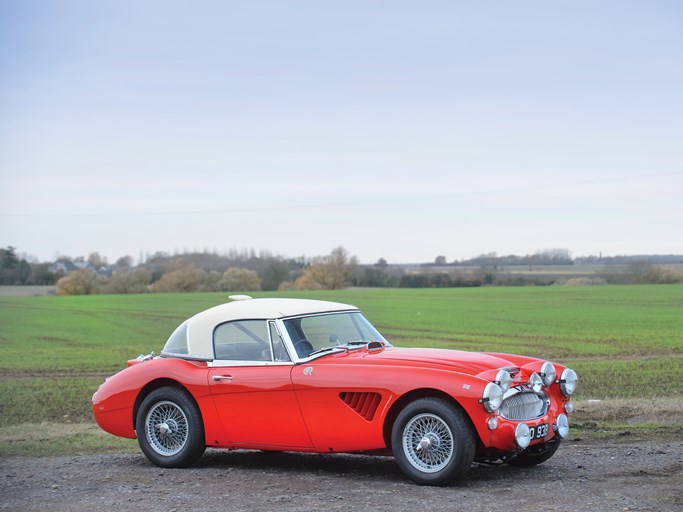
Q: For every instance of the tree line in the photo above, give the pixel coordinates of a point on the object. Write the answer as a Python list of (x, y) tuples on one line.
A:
[(206, 272), (17, 271), (248, 270), (543, 257)]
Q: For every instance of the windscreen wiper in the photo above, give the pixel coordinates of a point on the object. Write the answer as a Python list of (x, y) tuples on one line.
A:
[(344, 346), (327, 349)]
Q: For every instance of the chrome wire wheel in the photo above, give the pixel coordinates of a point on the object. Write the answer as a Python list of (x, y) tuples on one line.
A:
[(166, 428), (428, 443)]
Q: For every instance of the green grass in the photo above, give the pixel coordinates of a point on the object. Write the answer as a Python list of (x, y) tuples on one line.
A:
[(91, 333), (65, 399), (48, 439), (98, 333), (624, 341)]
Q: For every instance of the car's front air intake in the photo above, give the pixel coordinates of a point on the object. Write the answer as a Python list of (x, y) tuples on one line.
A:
[(525, 405), (363, 403)]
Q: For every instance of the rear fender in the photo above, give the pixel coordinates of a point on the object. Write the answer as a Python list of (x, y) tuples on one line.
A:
[(117, 401)]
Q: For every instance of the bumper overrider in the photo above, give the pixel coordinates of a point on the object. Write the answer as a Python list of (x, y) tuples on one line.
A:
[(528, 408)]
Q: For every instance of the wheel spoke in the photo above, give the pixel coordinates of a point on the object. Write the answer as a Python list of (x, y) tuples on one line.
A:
[(166, 428), (428, 443)]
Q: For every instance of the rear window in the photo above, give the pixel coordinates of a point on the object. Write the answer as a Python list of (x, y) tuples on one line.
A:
[(177, 343)]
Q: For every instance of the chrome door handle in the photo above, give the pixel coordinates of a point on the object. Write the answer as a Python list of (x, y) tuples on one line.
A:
[(217, 378)]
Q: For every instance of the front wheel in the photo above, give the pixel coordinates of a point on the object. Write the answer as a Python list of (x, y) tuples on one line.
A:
[(169, 428), (432, 441)]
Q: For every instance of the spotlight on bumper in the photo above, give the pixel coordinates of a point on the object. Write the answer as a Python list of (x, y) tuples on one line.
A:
[(523, 435), (562, 426)]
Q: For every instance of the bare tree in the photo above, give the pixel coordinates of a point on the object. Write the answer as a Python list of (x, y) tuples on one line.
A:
[(129, 281), (79, 282), (96, 260), (239, 280), (329, 272), (125, 261), (182, 276)]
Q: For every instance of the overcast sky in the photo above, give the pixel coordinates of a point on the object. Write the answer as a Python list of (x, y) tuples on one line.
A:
[(397, 129)]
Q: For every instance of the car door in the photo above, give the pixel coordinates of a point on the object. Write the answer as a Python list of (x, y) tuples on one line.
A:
[(343, 403), (340, 396), (251, 385)]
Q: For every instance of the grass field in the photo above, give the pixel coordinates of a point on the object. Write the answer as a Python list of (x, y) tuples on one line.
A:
[(626, 342)]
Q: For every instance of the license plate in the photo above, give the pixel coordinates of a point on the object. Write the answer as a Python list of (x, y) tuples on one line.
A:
[(539, 431)]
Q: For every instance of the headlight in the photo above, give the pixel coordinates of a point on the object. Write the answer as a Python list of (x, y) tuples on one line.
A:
[(493, 397), (568, 381), (548, 373), (504, 380), (536, 382)]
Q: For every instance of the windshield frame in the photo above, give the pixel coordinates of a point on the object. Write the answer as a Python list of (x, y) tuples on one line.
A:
[(290, 328)]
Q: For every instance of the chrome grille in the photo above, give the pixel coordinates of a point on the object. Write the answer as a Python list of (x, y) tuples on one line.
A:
[(525, 405)]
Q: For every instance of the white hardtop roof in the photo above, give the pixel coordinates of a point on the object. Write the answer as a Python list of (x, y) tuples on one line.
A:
[(255, 309), (200, 327)]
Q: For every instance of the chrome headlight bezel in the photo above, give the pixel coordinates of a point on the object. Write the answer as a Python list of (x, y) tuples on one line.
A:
[(535, 382), (548, 373), (492, 398), (504, 380), (568, 381)]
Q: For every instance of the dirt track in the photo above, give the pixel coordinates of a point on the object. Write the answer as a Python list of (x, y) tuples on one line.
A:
[(616, 476)]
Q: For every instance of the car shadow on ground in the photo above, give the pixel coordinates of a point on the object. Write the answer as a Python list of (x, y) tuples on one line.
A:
[(370, 469)]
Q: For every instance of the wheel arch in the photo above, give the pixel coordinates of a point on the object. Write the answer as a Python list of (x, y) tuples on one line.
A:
[(153, 386), (416, 394)]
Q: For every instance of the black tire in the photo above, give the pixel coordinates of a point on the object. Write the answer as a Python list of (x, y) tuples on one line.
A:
[(170, 429), (432, 441), (535, 455)]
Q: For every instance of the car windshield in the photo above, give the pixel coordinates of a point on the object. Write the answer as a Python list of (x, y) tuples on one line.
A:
[(313, 333)]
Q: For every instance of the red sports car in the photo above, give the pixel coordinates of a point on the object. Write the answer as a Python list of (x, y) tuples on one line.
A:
[(315, 376)]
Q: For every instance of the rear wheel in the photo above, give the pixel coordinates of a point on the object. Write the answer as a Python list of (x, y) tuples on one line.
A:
[(169, 428), (432, 441)]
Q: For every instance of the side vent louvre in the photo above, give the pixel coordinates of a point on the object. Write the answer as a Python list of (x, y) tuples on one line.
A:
[(364, 404)]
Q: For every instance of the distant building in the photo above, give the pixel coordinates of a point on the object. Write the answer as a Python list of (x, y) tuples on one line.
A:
[(65, 266)]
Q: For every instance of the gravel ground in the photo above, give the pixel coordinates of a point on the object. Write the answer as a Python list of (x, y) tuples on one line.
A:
[(611, 475)]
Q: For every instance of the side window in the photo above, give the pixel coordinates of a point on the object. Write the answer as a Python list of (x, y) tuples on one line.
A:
[(246, 340), (279, 351)]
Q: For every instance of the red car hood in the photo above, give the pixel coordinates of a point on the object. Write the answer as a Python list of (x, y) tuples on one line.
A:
[(471, 363)]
